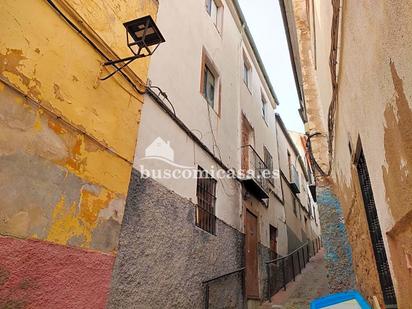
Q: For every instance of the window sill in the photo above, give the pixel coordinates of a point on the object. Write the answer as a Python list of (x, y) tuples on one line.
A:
[(204, 231), (247, 86), (219, 31)]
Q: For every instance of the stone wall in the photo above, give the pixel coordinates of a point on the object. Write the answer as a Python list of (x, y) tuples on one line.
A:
[(293, 240), (163, 257), (264, 256), (338, 253)]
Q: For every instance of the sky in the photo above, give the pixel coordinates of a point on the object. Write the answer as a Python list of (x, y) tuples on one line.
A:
[(264, 17)]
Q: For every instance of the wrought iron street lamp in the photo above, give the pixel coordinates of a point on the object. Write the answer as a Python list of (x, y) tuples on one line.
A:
[(143, 38)]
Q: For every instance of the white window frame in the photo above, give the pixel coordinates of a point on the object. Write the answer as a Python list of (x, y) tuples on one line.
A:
[(214, 9), (264, 106), (247, 72)]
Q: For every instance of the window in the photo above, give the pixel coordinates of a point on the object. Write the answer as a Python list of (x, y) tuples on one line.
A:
[(206, 200), (267, 157), (247, 72), (209, 82), (264, 107), (209, 86), (215, 10)]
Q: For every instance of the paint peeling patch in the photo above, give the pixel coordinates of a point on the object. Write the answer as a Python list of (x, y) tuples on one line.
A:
[(400, 244), (70, 212), (11, 64), (56, 127), (75, 223), (76, 161), (358, 234), (57, 93), (398, 150)]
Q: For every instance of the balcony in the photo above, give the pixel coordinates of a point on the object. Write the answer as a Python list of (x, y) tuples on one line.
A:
[(256, 175), (295, 180)]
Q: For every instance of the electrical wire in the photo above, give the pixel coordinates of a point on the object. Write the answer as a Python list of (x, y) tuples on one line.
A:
[(118, 69), (163, 94), (313, 160), (218, 149), (334, 78)]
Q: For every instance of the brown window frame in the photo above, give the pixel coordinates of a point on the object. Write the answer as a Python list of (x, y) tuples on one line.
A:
[(208, 65)]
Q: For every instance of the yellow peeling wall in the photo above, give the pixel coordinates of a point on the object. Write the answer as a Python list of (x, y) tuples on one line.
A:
[(67, 139)]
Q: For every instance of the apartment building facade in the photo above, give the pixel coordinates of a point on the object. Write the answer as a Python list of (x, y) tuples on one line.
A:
[(210, 108), (353, 67), (298, 186), (67, 142)]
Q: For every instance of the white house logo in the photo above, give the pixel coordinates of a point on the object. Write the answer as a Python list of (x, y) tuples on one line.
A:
[(159, 149)]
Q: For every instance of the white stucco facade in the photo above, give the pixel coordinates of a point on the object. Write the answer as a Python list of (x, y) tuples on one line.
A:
[(177, 69)]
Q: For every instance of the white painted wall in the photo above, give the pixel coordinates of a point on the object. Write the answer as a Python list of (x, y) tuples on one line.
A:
[(176, 68)]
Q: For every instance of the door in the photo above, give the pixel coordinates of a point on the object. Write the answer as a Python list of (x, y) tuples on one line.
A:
[(251, 256), (273, 241)]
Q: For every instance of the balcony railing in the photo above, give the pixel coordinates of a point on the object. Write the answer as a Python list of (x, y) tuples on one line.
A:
[(256, 174), (238, 272)]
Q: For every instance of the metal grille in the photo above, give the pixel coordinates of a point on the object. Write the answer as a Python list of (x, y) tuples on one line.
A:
[(268, 160), (206, 200), (282, 270), (376, 234)]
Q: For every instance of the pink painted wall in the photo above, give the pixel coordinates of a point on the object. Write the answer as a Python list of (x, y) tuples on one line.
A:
[(37, 274)]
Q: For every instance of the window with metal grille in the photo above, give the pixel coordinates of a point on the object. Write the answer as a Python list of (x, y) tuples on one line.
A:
[(376, 234), (206, 201), (267, 157)]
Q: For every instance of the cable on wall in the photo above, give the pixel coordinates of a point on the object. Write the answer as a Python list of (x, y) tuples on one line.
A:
[(334, 78)]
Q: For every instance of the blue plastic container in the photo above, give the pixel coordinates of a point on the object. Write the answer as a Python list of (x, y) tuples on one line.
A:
[(344, 300)]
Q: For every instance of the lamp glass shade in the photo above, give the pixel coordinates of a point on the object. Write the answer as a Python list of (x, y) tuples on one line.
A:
[(144, 31)]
